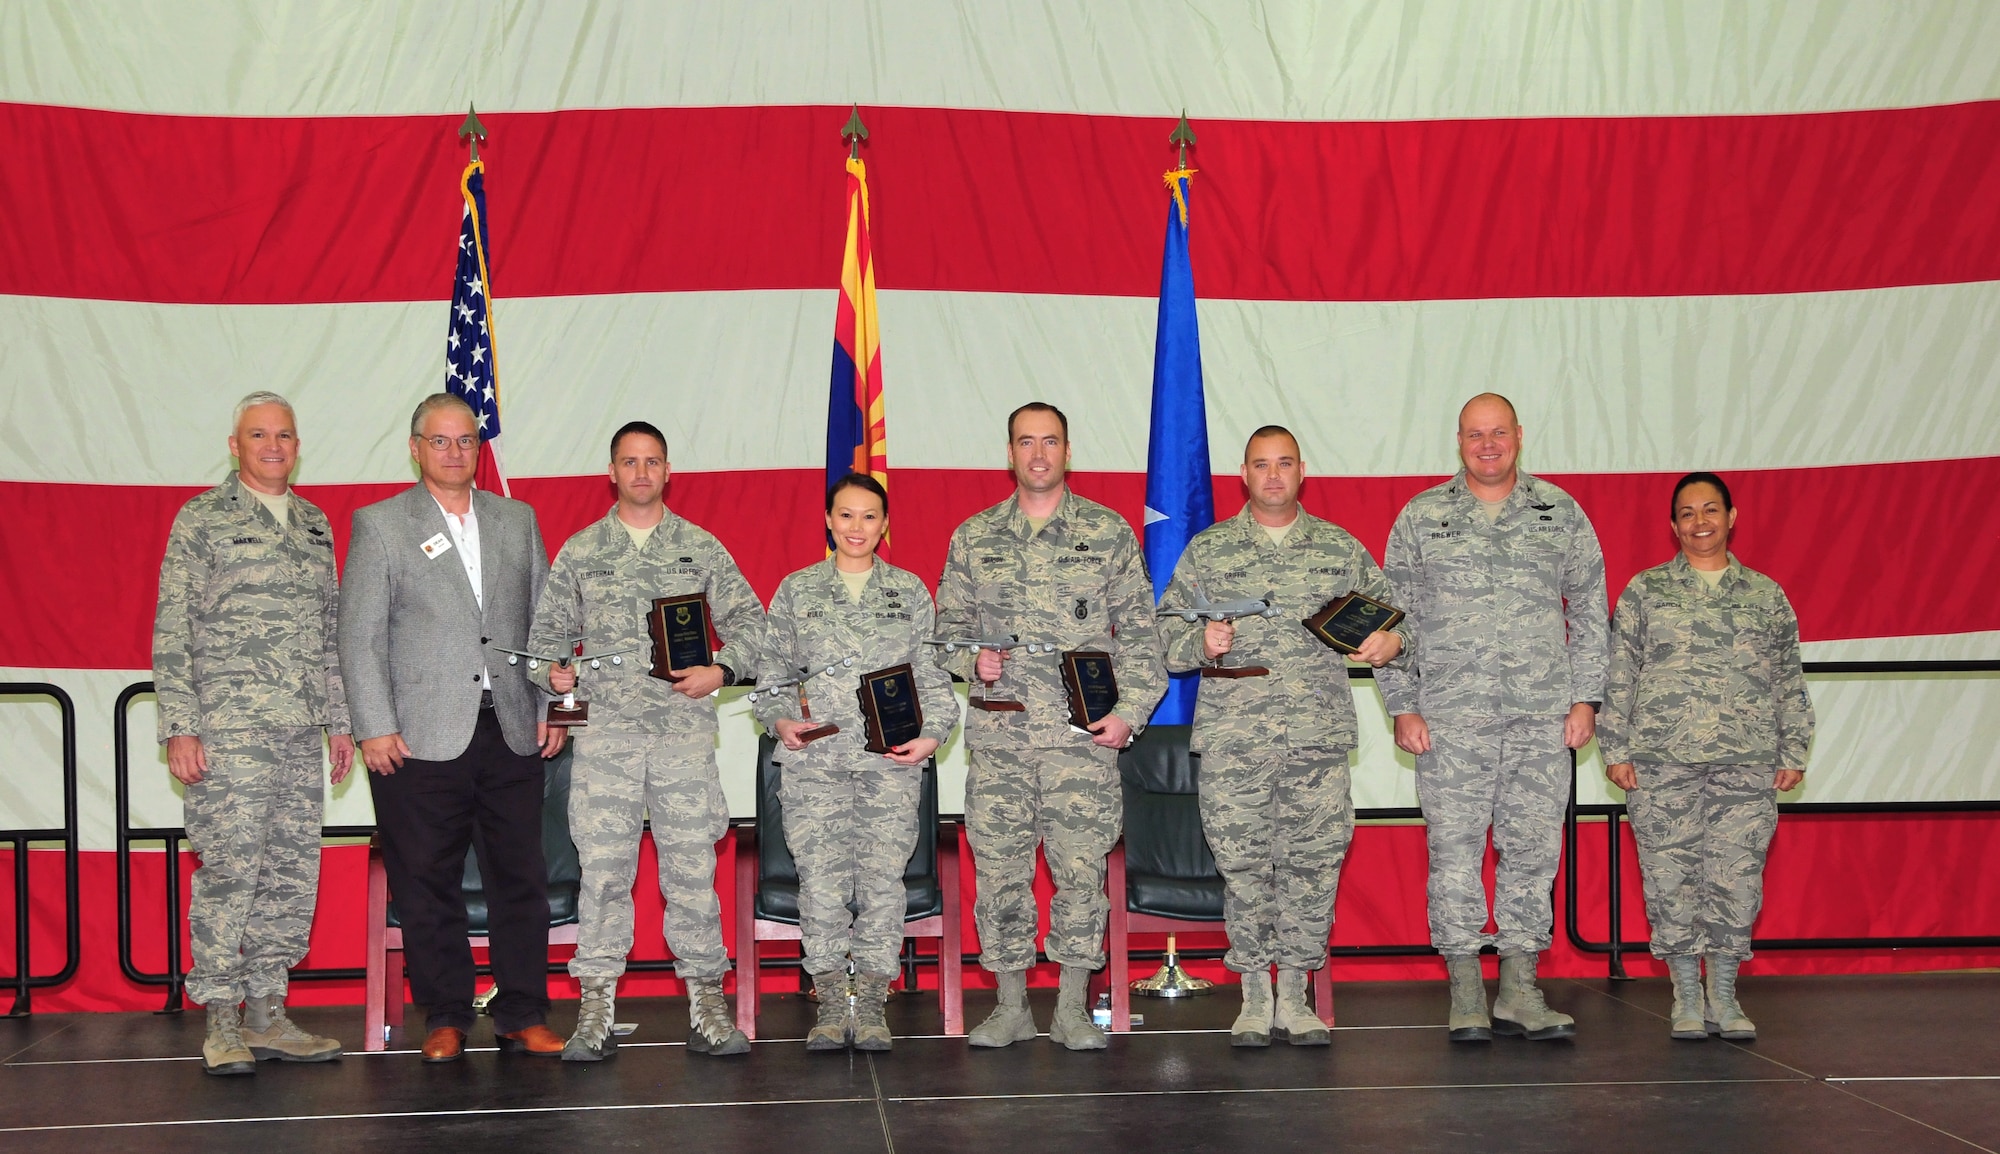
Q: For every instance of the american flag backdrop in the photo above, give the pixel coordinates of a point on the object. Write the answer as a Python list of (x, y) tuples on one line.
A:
[(1679, 234), (470, 369)]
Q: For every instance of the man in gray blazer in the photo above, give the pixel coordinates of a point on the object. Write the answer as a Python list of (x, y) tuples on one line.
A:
[(454, 738)]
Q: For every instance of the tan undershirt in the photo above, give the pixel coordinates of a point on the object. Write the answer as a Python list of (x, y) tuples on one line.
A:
[(1277, 532), (1711, 577), (1035, 524), (1493, 509), (280, 504), (855, 582), (638, 535)]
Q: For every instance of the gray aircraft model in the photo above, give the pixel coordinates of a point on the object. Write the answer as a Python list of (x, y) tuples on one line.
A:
[(1206, 610), (1011, 641), (767, 687), (535, 660)]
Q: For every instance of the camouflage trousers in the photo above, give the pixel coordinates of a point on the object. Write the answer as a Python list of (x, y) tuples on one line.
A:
[(254, 818), (851, 825), (1278, 822), (616, 781), (1510, 775), (1066, 800), (1703, 832)]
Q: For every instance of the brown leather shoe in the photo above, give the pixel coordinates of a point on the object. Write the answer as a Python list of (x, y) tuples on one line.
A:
[(537, 1041), (445, 1044)]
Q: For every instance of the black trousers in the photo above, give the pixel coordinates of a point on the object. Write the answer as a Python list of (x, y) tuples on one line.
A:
[(428, 812)]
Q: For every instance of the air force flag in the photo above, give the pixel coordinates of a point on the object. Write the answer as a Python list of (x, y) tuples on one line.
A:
[(1180, 497)]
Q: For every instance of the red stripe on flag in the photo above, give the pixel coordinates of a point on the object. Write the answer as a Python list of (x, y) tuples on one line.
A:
[(277, 210), (1834, 538)]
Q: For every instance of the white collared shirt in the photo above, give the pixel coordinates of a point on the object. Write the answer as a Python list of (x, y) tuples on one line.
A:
[(465, 537)]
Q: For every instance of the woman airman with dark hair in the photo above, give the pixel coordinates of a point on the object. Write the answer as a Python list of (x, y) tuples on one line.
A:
[(1706, 720), (850, 815)]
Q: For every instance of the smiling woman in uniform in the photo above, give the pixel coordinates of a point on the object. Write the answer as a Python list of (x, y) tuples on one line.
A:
[(850, 815), (1706, 720)]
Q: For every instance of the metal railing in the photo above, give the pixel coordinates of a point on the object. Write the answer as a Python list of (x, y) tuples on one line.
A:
[(25, 981), (174, 977), (1614, 946)]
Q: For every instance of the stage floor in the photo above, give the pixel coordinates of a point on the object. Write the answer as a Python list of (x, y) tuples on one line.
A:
[(1903, 1064)]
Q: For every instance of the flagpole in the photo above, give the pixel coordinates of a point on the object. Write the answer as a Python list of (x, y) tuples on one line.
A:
[(492, 472), (856, 431), (471, 130), (854, 132)]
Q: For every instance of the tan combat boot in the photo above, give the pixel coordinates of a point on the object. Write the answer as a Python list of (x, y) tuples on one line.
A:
[(710, 1030), (223, 1051), (592, 1040), (833, 1029), (1295, 1019), (1724, 1016), (1520, 1010), (1071, 1028), (871, 1025), (1685, 970), (1010, 1021), (270, 1034), (1469, 1021), (1252, 1027)]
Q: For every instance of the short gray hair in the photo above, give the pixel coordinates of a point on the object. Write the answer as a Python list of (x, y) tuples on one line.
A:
[(432, 404), (259, 397)]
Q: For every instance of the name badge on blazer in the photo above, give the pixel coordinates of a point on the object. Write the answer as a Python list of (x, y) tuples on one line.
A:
[(436, 547)]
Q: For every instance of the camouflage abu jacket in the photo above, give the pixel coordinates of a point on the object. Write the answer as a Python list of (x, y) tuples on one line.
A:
[(1509, 617), (602, 588), (1306, 702), (245, 634), (1080, 583), (1701, 676), (812, 623)]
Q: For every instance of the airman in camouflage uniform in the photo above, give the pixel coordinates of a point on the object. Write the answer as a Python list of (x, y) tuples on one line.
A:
[(248, 680), (650, 743), (1503, 580), (850, 815), (1706, 717), (1076, 580), (1275, 799)]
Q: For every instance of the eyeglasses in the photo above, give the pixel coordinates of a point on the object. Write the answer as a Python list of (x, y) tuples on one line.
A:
[(441, 443)]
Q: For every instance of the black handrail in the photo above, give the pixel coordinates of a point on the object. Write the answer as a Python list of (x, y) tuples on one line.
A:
[(174, 977), (25, 981), (1614, 947)]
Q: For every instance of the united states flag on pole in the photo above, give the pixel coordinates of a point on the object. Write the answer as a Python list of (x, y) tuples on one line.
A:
[(469, 372)]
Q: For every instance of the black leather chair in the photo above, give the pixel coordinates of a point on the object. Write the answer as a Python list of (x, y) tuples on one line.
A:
[(1161, 877), (385, 932), (767, 892)]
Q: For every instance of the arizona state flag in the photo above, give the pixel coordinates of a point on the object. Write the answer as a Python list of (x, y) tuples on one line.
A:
[(856, 439)]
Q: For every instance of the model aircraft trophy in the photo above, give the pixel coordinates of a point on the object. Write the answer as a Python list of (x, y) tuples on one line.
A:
[(566, 712), (981, 695), (765, 689), (1205, 610)]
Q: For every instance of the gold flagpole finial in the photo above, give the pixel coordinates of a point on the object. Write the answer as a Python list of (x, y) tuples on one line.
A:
[(1182, 135), (472, 130), (854, 132)]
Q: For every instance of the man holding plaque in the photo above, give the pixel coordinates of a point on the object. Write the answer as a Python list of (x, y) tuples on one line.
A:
[(1274, 728), (248, 680), (855, 738), (1047, 568), (1503, 580), (650, 744)]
